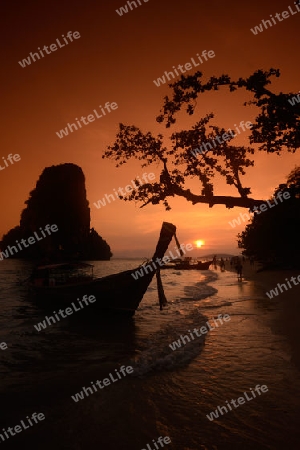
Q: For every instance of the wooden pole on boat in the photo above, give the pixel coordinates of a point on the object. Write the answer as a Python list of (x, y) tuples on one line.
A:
[(168, 230), (161, 295)]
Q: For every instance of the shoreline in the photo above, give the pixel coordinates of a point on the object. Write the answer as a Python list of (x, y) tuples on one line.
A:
[(288, 305)]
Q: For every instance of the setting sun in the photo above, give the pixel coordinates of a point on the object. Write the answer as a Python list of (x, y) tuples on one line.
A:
[(199, 244)]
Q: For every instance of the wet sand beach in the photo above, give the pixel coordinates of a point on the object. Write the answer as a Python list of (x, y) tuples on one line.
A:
[(287, 302)]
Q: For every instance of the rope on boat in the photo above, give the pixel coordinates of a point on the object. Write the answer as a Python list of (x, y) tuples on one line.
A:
[(161, 295), (178, 245)]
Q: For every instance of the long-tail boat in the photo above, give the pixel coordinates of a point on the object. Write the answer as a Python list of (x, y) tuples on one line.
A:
[(58, 285), (187, 264)]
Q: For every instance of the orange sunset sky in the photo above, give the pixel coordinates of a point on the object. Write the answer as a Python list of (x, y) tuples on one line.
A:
[(116, 59)]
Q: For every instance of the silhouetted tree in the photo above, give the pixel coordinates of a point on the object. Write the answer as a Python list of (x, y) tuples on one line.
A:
[(273, 235), (276, 128)]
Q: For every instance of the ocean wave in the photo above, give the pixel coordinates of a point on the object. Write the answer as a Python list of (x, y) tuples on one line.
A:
[(158, 356), (201, 289)]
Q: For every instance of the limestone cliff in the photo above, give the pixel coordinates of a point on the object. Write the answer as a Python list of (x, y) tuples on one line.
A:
[(59, 198)]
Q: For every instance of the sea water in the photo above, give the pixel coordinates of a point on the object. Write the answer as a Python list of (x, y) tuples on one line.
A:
[(170, 392)]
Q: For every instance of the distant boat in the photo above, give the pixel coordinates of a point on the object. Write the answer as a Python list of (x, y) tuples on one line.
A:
[(58, 285), (187, 264), (203, 265)]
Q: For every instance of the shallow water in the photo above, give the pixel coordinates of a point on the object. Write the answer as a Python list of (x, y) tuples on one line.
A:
[(170, 392)]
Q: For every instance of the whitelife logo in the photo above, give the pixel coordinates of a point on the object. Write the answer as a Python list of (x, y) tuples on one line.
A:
[(145, 267), (31, 240), (53, 48), (119, 192), (108, 106), (203, 330), (225, 136), (187, 66), (263, 207), (68, 311), (215, 414), (106, 381), (274, 292), (124, 9), (166, 440), (266, 23), (294, 100), (18, 428), (16, 157)]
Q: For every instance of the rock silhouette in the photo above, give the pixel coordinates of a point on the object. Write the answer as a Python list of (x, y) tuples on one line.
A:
[(59, 198)]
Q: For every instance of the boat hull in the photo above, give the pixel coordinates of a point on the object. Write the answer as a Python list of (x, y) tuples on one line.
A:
[(119, 293), (203, 265), (184, 266)]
